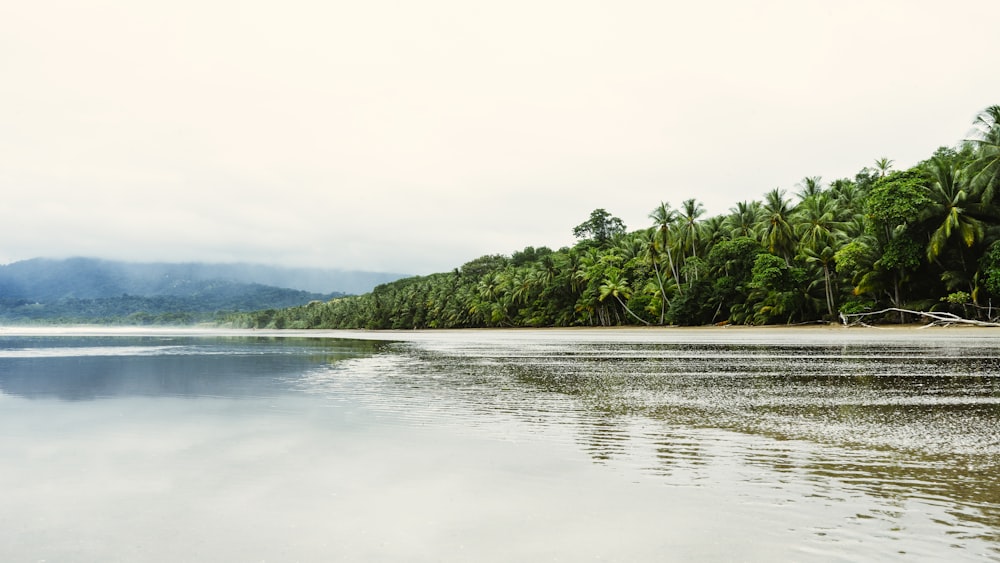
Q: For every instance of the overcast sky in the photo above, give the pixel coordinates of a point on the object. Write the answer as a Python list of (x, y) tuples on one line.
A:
[(413, 136)]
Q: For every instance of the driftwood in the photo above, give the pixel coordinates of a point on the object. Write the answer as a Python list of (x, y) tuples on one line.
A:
[(937, 318)]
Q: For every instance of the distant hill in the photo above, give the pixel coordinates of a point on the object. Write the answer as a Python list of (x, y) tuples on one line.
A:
[(90, 278), (93, 290)]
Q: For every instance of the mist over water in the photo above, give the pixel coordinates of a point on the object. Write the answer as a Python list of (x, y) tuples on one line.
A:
[(500, 445)]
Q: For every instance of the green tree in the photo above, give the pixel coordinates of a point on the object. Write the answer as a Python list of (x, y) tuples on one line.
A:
[(664, 221), (825, 258), (883, 166), (949, 207), (777, 293), (820, 233), (779, 235), (817, 221), (744, 220), (653, 257), (984, 170), (717, 296), (617, 287), (990, 266), (849, 197), (810, 186), (894, 204), (601, 227), (691, 210)]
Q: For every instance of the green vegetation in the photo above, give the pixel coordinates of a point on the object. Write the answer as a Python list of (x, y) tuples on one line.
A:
[(88, 291), (922, 239), (132, 310)]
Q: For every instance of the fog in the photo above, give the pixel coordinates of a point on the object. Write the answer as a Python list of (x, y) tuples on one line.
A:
[(398, 137)]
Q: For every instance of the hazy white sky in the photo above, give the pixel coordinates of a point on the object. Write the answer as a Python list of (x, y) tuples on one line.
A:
[(415, 136)]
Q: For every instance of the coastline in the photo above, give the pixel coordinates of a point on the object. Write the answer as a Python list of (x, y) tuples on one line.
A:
[(728, 334)]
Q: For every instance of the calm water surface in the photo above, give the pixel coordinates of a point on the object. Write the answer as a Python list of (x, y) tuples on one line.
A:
[(652, 445)]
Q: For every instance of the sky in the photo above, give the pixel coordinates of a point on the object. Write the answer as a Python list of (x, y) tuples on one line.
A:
[(412, 137)]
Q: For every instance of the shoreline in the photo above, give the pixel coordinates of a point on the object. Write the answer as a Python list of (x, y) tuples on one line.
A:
[(728, 334)]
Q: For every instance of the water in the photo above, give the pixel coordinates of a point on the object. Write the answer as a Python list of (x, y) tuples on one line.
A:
[(641, 445)]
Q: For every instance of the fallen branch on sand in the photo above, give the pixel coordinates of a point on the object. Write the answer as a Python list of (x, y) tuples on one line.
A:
[(937, 318)]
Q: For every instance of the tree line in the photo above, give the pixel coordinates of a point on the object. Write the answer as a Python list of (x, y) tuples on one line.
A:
[(214, 302), (924, 238)]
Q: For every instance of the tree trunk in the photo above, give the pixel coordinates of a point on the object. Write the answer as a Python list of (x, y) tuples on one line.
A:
[(638, 318), (673, 270), (937, 318), (664, 302), (897, 298), (829, 290)]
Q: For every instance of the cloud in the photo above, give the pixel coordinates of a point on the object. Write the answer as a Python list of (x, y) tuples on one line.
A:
[(416, 136)]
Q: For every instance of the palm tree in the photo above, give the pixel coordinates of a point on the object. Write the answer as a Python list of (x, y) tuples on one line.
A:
[(744, 219), (664, 219), (779, 236), (984, 170), (630, 246), (818, 221), (884, 166), (567, 264), (591, 267), (825, 258), (617, 287), (950, 205), (692, 209), (522, 284), (711, 231), (849, 198), (820, 233), (652, 256), (810, 186), (494, 298)]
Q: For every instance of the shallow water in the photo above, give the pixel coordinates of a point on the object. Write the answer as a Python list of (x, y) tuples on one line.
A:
[(501, 445)]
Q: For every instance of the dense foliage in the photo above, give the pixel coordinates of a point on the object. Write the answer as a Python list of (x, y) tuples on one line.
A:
[(925, 238), (213, 305)]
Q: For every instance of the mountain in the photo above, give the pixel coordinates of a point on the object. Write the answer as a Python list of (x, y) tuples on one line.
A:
[(92, 290), (90, 278)]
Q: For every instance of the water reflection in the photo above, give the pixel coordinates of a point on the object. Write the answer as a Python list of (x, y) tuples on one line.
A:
[(77, 369), (899, 442), (916, 427)]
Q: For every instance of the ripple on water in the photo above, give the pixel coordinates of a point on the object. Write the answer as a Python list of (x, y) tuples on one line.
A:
[(897, 431)]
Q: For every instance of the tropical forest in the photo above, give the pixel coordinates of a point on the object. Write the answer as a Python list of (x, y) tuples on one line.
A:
[(886, 241)]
